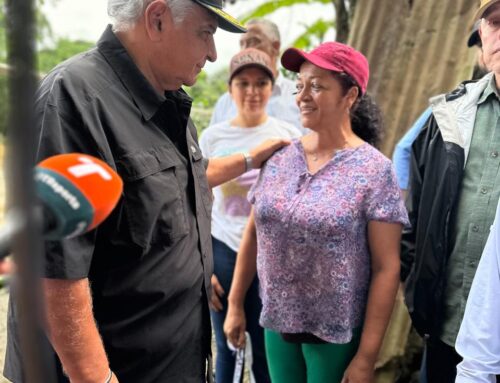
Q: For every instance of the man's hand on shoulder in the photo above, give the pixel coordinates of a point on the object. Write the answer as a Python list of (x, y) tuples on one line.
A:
[(223, 169), (261, 153)]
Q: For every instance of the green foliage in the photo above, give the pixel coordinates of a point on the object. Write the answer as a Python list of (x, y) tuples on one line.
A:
[(49, 58), (205, 94), (3, 40), (44, 31), (314, 34), (273, 5), (4, 103)]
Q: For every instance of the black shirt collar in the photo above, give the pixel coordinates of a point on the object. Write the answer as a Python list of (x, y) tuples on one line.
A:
[(144, 95)]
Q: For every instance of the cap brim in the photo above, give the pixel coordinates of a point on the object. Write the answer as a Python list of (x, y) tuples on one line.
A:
[(474, 38), (293, 58), (226, 21), (481, 10), (253, 65)]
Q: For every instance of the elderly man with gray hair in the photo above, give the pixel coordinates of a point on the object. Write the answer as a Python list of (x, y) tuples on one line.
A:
[(128, 301), (264, 35)]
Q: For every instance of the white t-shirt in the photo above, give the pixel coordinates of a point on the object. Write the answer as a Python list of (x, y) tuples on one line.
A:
[(231, 207)]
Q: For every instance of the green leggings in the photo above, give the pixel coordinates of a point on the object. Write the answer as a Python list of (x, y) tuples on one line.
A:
[(308, 362)]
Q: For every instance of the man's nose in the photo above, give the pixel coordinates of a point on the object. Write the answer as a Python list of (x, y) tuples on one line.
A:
[(212, 50), (249, 44)]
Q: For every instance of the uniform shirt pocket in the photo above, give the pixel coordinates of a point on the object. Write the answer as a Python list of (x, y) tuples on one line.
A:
[(153, 201)]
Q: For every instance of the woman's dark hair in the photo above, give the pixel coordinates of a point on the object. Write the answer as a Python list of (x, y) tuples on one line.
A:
[(366, 117)]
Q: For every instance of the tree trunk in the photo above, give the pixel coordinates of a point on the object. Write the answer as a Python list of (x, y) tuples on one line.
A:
[(416, 49), (341, 20)]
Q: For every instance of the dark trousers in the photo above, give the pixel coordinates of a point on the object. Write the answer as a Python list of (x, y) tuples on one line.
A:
[(224, 262), (441, 362)]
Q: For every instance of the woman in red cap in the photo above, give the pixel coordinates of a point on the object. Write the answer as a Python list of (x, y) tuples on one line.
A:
[(251, 80), (327, 217)]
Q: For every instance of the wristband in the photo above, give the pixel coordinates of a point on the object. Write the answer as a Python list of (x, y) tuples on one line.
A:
[(248, 161), (110, 375)]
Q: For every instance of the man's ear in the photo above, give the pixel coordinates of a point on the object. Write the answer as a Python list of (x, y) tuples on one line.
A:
[(156, 17), (276, 48)]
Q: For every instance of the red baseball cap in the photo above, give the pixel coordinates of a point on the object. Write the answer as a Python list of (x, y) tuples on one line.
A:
[(333, 56)]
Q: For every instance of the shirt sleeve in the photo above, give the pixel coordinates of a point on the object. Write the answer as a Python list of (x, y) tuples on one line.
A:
[(385, 202), (402, 152), (255, 189), (61, 130), (478, 340)]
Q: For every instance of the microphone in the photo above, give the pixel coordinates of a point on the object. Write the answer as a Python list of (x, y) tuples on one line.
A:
[(76, 191)]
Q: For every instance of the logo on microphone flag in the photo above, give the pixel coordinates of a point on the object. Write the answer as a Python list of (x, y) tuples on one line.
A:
[(72, 211)]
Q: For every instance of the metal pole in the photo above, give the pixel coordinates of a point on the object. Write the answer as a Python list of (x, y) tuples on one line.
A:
[(27, 242)]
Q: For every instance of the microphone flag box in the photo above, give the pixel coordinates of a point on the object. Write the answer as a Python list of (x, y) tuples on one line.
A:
[(78, 191)]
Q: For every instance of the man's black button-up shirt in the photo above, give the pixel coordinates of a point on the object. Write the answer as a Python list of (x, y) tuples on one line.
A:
[(149, 264)]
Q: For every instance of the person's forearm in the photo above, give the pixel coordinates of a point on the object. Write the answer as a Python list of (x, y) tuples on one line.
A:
[(223, 169), (246, 265), (72, 330), (381, 297)]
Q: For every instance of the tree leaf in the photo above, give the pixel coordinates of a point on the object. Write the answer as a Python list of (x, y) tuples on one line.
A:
[(314, 34), (273, 5)]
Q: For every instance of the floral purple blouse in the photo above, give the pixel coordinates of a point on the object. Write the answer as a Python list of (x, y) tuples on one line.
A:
[(313, 259)]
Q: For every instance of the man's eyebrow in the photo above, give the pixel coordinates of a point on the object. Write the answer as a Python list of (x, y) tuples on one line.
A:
[(212, 25)]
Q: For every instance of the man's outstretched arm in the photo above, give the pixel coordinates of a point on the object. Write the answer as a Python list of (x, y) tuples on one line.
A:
[(223, 169)]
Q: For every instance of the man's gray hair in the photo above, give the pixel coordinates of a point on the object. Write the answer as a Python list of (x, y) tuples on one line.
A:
[(269, 28), (125, 13)]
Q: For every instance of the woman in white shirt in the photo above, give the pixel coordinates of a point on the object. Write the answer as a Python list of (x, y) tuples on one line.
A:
[(251, 82)]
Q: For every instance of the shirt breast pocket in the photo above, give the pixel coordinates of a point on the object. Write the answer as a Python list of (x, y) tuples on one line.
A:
[(154, 204), (201, 175)]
